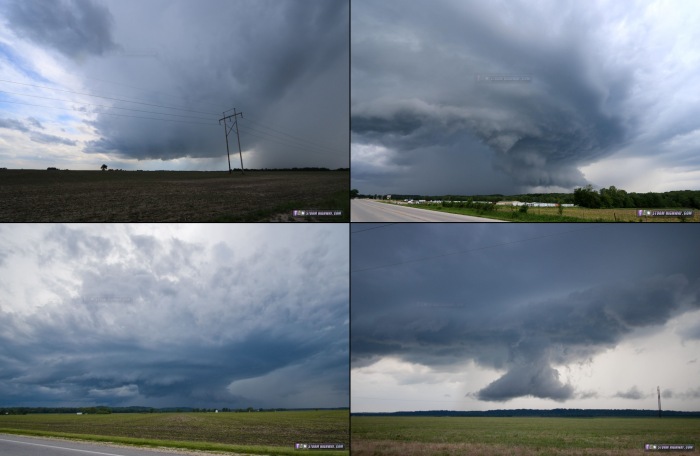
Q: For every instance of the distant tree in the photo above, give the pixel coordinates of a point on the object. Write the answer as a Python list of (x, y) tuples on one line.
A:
[(606, 198), (103, 167), (353, 193), (587, 197), (249, 409)]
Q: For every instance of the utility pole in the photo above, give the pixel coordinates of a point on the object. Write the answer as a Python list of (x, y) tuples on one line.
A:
[(227, 131), (658, 393)]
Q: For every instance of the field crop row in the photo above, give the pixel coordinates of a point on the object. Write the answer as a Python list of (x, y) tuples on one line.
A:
[(412, 436), (236, 430)]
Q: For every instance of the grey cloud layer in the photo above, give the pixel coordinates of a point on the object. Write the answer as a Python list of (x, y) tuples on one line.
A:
[(488, 305), (150, 320), (37, 136), (73, 27)]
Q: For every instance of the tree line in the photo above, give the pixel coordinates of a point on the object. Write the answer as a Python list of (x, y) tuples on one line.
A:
[(587, 196), (103, 409), (554, 413), (613, 197)]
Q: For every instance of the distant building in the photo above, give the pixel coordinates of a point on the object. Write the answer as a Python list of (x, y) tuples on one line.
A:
[(509, 203)]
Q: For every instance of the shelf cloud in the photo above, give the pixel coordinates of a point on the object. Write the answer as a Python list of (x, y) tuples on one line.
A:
[(530, 313), (530, 94), (173, 316)]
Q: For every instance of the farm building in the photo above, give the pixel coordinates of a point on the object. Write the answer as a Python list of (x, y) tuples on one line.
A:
[(535, 204)]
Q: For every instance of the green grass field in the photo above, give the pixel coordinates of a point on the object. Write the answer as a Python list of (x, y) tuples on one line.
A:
[(251, 433), (413, 436), (551, 214)]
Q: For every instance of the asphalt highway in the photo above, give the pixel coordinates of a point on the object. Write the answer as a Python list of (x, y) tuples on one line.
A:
[(15, 445), (362, 210)]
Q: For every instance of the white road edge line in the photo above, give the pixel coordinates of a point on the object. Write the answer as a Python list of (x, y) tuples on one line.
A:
[(61, 448)]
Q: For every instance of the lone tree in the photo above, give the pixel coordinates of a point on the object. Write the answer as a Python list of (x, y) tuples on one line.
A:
[(103, 167)]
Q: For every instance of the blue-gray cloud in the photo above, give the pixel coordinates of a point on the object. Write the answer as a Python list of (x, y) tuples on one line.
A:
[(45, 138), (73, 27), (144, 319), (13, 124)]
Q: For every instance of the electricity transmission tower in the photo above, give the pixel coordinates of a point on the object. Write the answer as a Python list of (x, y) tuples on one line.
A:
[(228, 130), (658, 393)]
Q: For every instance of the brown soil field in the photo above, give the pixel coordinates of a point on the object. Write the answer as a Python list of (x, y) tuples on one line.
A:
[(171, 196)]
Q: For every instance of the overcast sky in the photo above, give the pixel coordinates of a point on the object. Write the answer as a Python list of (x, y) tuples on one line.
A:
[(174, 315), (612, 96), (283, 63), (476, 317)]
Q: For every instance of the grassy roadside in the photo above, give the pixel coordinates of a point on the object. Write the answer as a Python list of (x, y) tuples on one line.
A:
[(500, 214), (175, 444), (551, 214)]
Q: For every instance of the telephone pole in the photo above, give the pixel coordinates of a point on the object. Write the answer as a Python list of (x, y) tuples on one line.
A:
[(658, 393), (228, 130)]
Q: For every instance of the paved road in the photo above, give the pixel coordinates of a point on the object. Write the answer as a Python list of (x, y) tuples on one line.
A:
[(362, 210), (14, 445)]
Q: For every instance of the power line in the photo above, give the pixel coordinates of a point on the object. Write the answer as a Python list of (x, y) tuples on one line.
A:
[(108, 113), (325, 146), (106, 98), (142, 89), (287, 144), (103, 106), (299, 143), (313, 149), (458, 252)]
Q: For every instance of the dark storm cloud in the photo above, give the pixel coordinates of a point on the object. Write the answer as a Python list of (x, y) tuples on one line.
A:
[(170, 322), (523, 307), (73, 27), (283, 64), (418, 71), (537, 379)]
